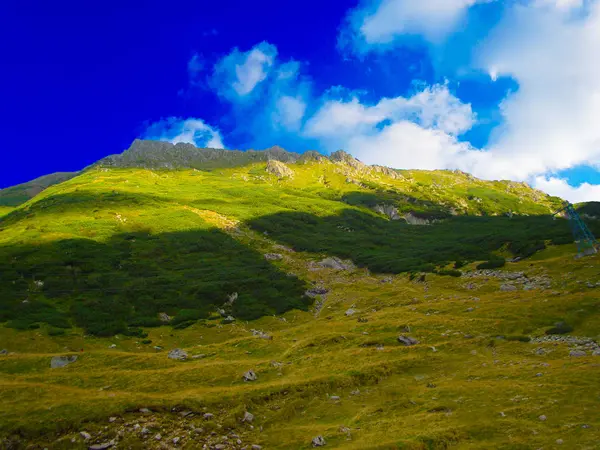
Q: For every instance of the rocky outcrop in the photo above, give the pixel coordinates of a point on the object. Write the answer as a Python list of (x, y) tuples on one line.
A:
[(178, 354), (164, 155), (412, 219), (336, 264), (342, 157), (62, 361), (388, 172), (279, 169), (388, 210)]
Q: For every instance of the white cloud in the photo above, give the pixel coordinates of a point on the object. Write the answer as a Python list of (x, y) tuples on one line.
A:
[(556, 186), (551, 121), (289, 112), (378, 22), (237, 75), (188, 131), (416, 132)]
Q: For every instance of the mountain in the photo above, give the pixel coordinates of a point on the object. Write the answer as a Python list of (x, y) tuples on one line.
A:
[(16, 195), (376, 308)]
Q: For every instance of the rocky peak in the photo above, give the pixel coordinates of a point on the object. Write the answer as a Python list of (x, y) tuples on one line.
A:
[(343, 157)]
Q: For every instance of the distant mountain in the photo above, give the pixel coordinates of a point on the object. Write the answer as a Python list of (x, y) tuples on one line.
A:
[(16, 195), (164, 155)]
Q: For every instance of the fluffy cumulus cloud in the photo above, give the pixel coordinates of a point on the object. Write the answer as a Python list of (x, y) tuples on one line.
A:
[(376, 23), (188, 131), (561, 188), (237, 75), (551, 122), (419, 131)]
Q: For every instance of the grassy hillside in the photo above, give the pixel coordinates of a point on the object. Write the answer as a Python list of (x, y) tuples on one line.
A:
[(88, 266), (112, 248), (16, 195)]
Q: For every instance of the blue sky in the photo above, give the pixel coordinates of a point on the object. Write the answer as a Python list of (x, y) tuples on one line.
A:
[(501, 89)]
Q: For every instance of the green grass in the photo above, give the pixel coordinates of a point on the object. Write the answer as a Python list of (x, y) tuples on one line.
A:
[(91, 262)]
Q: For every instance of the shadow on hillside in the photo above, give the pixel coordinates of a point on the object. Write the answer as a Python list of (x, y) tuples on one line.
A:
[(86, 202), (128, 281), (393, 246)]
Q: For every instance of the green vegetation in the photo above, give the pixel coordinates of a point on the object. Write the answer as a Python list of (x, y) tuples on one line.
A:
[(88, 266), (16, 195)]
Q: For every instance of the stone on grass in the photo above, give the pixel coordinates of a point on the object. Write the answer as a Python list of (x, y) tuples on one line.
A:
[(176, 440), (318, 441), (248, 417), (250, 376), (577, 353), (3, 352), (350, 312), (507, 288), (408, 341), (164, 317), (85, 435), (102, 446), (112, 346), (336, 264), (256, 447), (208, 416), (542, 417), (273, 256), (62, 361), (178, 354), (158, 437)]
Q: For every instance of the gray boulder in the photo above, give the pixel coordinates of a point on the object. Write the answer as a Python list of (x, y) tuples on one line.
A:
[(577, 353), (318, 441), (248, 417), (250, 376), (178, 354), (279, 169), (62, 361), (407, 341), (273, 256), (336, 264), (164, 317), (350, 312)]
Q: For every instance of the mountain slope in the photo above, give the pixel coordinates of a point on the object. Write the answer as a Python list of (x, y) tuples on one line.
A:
[(16, 195), (306, 270)]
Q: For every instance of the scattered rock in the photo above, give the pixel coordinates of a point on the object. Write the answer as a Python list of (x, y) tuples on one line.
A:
[(256, 447), (186, 413), (335, 398), (542, 418), (273, 256), (62, 361), (412, 219), (388, 210), (164, 317), (178, 354), (507, 288), (229, 319), (102, 446), (318, 441), (112, 346), (200, 356), (279, 169), (261, 334), (157, 437), (363, 320), (336, 264), (220, 447), (350, 312), (540, 351), (112, 419), (248, 417), (157, 348), (559, 441), (577, 353), (145, 411), (250, 376), (85, 435), (3, 352), (176, 440), (408, 341), (312, 293)]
